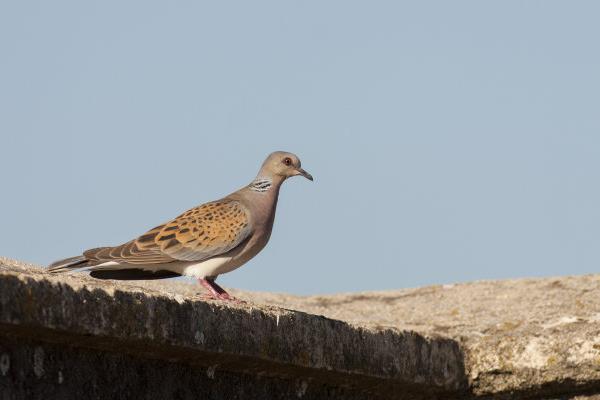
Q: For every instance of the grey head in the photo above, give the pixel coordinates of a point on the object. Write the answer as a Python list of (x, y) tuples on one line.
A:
[(281, 165)]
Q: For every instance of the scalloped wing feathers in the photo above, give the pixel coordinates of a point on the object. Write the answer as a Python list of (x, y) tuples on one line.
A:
[(198, 234)]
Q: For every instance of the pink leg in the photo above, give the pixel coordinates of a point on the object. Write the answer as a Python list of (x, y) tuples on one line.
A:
[(215, 291)]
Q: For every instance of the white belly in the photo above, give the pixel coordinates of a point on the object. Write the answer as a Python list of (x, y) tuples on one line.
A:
[(211, 267)]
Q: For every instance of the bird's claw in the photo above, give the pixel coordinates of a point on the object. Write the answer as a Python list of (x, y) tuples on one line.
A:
[(222, 297)]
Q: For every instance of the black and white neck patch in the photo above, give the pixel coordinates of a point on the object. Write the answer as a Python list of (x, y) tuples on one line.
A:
[(261, 184)]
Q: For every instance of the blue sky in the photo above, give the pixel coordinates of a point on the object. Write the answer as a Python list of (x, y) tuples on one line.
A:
[(450, 141)]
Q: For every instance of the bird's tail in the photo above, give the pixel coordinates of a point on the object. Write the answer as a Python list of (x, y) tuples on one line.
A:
[(68, 264)]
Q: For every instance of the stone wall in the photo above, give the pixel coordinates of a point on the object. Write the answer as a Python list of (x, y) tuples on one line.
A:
[(71, 336)]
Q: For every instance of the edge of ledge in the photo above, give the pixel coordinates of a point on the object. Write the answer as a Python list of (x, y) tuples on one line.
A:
[(81, 311)]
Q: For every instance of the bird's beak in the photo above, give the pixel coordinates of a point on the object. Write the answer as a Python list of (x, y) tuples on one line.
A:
[(304, 174)]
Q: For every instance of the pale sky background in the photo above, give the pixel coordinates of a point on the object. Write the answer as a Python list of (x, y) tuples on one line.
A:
[(450, 141)]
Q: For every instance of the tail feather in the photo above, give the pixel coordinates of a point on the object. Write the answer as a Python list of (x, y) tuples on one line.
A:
[(69, 264)]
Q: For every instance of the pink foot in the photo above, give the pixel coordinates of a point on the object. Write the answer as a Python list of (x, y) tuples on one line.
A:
[(216, 292)]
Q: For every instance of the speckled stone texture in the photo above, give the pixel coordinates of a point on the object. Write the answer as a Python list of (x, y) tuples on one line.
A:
[(528, 338), (53, 327)]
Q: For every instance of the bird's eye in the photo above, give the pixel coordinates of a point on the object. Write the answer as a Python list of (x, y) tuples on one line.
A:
[(287, 161)]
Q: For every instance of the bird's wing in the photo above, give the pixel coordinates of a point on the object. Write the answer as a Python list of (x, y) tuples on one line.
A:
[(198, 234)]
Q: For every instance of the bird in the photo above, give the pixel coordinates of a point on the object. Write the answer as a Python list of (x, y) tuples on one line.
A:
[(204, 242)]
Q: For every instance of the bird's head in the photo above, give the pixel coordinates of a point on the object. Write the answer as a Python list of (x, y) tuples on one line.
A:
[(283, 165)]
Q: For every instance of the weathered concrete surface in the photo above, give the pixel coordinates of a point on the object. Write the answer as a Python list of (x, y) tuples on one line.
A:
[(528, 338), (42, 370), (536, 337), (65, 324)]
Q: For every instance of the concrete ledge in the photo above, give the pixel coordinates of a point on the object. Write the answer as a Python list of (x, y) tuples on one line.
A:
[(314, 355), (522, 338), (73, 336)]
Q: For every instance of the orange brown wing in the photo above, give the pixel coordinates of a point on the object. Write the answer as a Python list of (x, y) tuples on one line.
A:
[(198, 234)]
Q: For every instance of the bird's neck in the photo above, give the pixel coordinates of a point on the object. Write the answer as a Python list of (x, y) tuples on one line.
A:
[(265, 184), (263, 193)]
